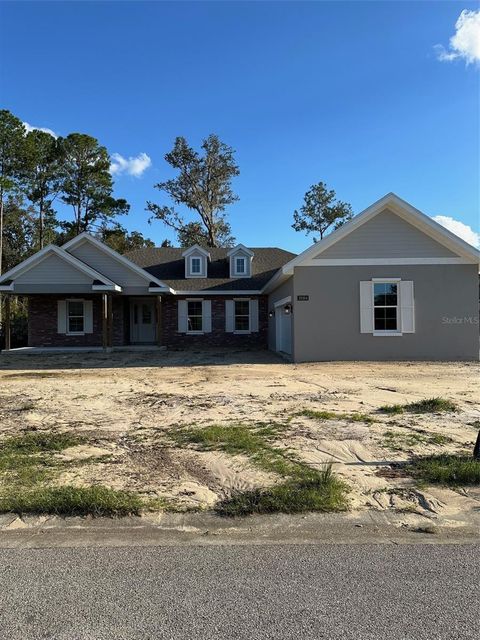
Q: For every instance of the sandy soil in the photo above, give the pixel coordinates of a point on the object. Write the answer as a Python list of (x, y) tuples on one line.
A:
[(126, 403)]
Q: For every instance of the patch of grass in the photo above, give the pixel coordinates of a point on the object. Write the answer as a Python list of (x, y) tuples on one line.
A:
[(398, 441), (305, 489), (450, 470), (429, 405), (323, 492), (71, 501), (39, 442), (331, 415)]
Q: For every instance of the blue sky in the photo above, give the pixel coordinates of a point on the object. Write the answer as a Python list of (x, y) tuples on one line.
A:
[(352, 93)]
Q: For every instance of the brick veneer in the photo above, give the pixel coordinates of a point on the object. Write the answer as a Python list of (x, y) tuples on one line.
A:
[(218, 337), (42, 323)]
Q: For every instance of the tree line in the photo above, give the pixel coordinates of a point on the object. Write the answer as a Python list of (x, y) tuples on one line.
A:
[(39, 172)]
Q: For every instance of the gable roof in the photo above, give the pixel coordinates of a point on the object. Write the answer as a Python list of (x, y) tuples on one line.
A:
[(167, 264), (49, 250), (398, 206), (86, 237)]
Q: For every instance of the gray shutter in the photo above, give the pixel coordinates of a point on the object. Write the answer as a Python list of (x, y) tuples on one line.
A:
[(229, 316), (62, 316), (407, 307), (207, 316), (366, 307), (88, 316), (253, 315), (182, 316)]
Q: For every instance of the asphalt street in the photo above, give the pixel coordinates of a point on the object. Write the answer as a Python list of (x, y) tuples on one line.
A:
[(276, 591)]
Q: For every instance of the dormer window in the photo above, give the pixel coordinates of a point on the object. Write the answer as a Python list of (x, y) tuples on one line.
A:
[(240, 266), (196, 262), (195, 265), (240, 262)]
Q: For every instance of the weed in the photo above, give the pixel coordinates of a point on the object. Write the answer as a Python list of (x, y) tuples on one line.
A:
[(446, 469), (330, 415), (429, 405), (391, 409)]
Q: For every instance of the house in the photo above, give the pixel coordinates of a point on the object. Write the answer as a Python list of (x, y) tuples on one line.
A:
[(391, 284)]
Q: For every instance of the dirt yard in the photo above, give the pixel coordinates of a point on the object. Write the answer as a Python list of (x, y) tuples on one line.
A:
[(126, 406)]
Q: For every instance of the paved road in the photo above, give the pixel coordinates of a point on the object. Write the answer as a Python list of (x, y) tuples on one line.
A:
[(242, 592)]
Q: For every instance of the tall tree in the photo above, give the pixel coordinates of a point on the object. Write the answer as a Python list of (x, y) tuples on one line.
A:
[(41, 177), (203, 185), (121, 240), (321, 210), (19, 232), (12, 132), (87, 184)]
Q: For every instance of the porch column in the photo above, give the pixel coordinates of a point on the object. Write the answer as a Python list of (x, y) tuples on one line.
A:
[(104, 322), (110, 320), (159, 320), (6, 317)]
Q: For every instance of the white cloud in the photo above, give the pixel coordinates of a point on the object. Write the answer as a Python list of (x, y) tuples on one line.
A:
[(460, 229), (465, 43), (133, 166), (29, 128)]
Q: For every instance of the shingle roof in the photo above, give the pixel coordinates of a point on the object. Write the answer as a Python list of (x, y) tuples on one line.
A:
[(168, 265)]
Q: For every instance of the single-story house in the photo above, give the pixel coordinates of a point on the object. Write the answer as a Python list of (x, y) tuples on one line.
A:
[(391, 284)]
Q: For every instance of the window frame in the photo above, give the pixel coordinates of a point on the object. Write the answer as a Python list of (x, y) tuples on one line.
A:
[(243, 315), (244, 261), (68, 316), (387, 332), (200, 272), (195, 331)]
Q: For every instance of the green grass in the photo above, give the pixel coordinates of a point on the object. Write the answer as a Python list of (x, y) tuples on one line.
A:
[(323, 492), (398, 441), (331, 415), (304, 488), (446, 469), (71, 501), (38, 442), (428, 405)]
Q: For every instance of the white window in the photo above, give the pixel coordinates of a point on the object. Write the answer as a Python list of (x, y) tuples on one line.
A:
[(242, 315), (194, 316), (75, 316), (195, 265), (385, 306), (240, 266)]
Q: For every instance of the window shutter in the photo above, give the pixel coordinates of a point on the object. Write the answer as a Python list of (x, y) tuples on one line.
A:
[(88, 316), (407, 307), (207, 316), (62, 316), (366, 307), (253, 315), (182, 316), (229, 316)]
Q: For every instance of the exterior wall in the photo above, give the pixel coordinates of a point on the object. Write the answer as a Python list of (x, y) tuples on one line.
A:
[(248, 262), (283, 291), (218, 336), (327, 327), (204, 264), (42, 323), (107, 266), (387, 235), (54, 270)]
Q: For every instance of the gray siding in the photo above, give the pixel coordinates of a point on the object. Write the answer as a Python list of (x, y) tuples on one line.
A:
[(387, 236), (53, 270), (248, 262), (204, 259), (284, 290), (108, 266), (328, 326)]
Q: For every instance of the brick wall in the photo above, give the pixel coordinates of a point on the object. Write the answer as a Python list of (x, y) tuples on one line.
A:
[(42, 323), (218, 337)]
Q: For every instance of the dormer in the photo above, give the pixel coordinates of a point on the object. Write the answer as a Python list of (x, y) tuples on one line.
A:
[(196, 262), (240, 262)]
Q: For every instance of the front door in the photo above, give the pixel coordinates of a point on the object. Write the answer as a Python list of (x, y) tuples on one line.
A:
[(142, 321)]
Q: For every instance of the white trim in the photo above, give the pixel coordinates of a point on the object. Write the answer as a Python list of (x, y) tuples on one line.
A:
[(386, 279), (378, 334), (283, 301), (44, 253), (106, 287), (242, 331), (206, 292), (158, 290), (238, 248), (197, 332), (404, 210), (86, 237), (67, 318), (198, 274), (6, 287), (341, 262), (196, 247), (240, 274)]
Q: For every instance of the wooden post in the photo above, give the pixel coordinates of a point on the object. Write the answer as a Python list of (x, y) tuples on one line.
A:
[(104, 322), (110, 320), (7, 323), (159, 320)]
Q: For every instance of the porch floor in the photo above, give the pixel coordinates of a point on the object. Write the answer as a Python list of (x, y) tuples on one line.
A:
[(40, 350)]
